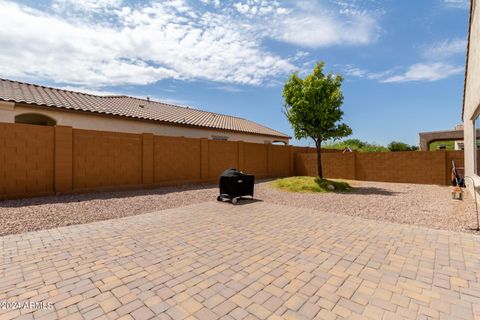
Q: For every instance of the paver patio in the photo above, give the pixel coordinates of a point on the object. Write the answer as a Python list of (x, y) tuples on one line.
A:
[(251, 261)]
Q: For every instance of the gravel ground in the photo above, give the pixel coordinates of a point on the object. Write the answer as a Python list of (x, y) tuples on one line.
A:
[(425, 205)]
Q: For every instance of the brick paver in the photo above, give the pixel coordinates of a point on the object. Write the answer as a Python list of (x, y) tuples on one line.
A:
[(250, 261)]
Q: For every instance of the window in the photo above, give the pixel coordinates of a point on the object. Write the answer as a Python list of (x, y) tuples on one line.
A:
[(35, 119)]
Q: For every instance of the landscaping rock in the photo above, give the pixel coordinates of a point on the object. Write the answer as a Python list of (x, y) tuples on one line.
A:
[(426, 205)]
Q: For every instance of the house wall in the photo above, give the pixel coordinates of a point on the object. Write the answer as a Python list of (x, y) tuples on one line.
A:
[(472, 92), (90, 121)]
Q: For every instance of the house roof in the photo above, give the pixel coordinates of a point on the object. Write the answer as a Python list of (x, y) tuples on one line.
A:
[(125, 106)]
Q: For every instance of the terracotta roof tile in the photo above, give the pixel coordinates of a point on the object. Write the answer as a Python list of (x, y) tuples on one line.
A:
[(127, 107)]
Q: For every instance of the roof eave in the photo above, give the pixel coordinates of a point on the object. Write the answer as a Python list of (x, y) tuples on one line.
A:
[(466, 59), (280, 136)]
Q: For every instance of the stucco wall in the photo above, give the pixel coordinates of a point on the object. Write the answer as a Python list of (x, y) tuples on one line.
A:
[(472, 92), (87, 121)]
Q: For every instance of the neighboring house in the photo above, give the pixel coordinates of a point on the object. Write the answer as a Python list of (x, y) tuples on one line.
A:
[(456, 135), (471, 97), (459, 145), (33, 104)]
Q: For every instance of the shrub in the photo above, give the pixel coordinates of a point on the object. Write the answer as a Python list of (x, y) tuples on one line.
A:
[(401, 146), (357, 145), (310, 184)]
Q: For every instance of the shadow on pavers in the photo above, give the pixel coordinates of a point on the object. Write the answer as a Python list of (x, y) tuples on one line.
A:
[(244, 201)]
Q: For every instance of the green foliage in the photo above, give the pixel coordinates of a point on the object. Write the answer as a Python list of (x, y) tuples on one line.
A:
[(449, 145), (363, 146), (401, 146), (356, 145), (310, 184), (312, 105)]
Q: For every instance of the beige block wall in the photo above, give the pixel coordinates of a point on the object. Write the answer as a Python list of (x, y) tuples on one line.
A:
[(472, 93), (89, 121), (425, 167), (105, 159), (27, 155), (43, 160)]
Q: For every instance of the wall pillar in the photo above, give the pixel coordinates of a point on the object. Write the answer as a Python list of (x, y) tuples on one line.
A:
[(63, 166), (269, 159), (241, 157), (147, 159), (446, 168), (204, 159), (291, 153), (354, 155)]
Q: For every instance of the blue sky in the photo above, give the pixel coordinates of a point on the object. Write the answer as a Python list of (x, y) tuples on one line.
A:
[(403, 61)]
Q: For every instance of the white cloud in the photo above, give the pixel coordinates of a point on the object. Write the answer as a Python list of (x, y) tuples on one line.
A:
[(310, 24), (426, 72), (90, 90), (228, 88), (109, 42), (215, 3), (313, 31), (461, 4), (300, 55), (86, 5), (259, 7), (101, 92), (353, 71), (148, 44), (445, 49), (436, 68)]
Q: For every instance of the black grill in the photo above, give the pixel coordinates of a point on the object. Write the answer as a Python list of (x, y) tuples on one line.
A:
[(235, 184)]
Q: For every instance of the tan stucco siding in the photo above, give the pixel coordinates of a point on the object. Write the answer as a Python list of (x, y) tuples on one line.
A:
[(472, 92), (89, 121), (7, 113)]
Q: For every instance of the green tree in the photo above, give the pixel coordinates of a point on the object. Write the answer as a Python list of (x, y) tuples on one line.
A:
[(312, 106), (400, 146), (356, 145)]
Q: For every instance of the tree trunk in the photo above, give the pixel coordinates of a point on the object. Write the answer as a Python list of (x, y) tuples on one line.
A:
[(319, 159)]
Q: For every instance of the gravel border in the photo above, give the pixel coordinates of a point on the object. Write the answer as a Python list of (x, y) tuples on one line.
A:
[(423, 205)]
